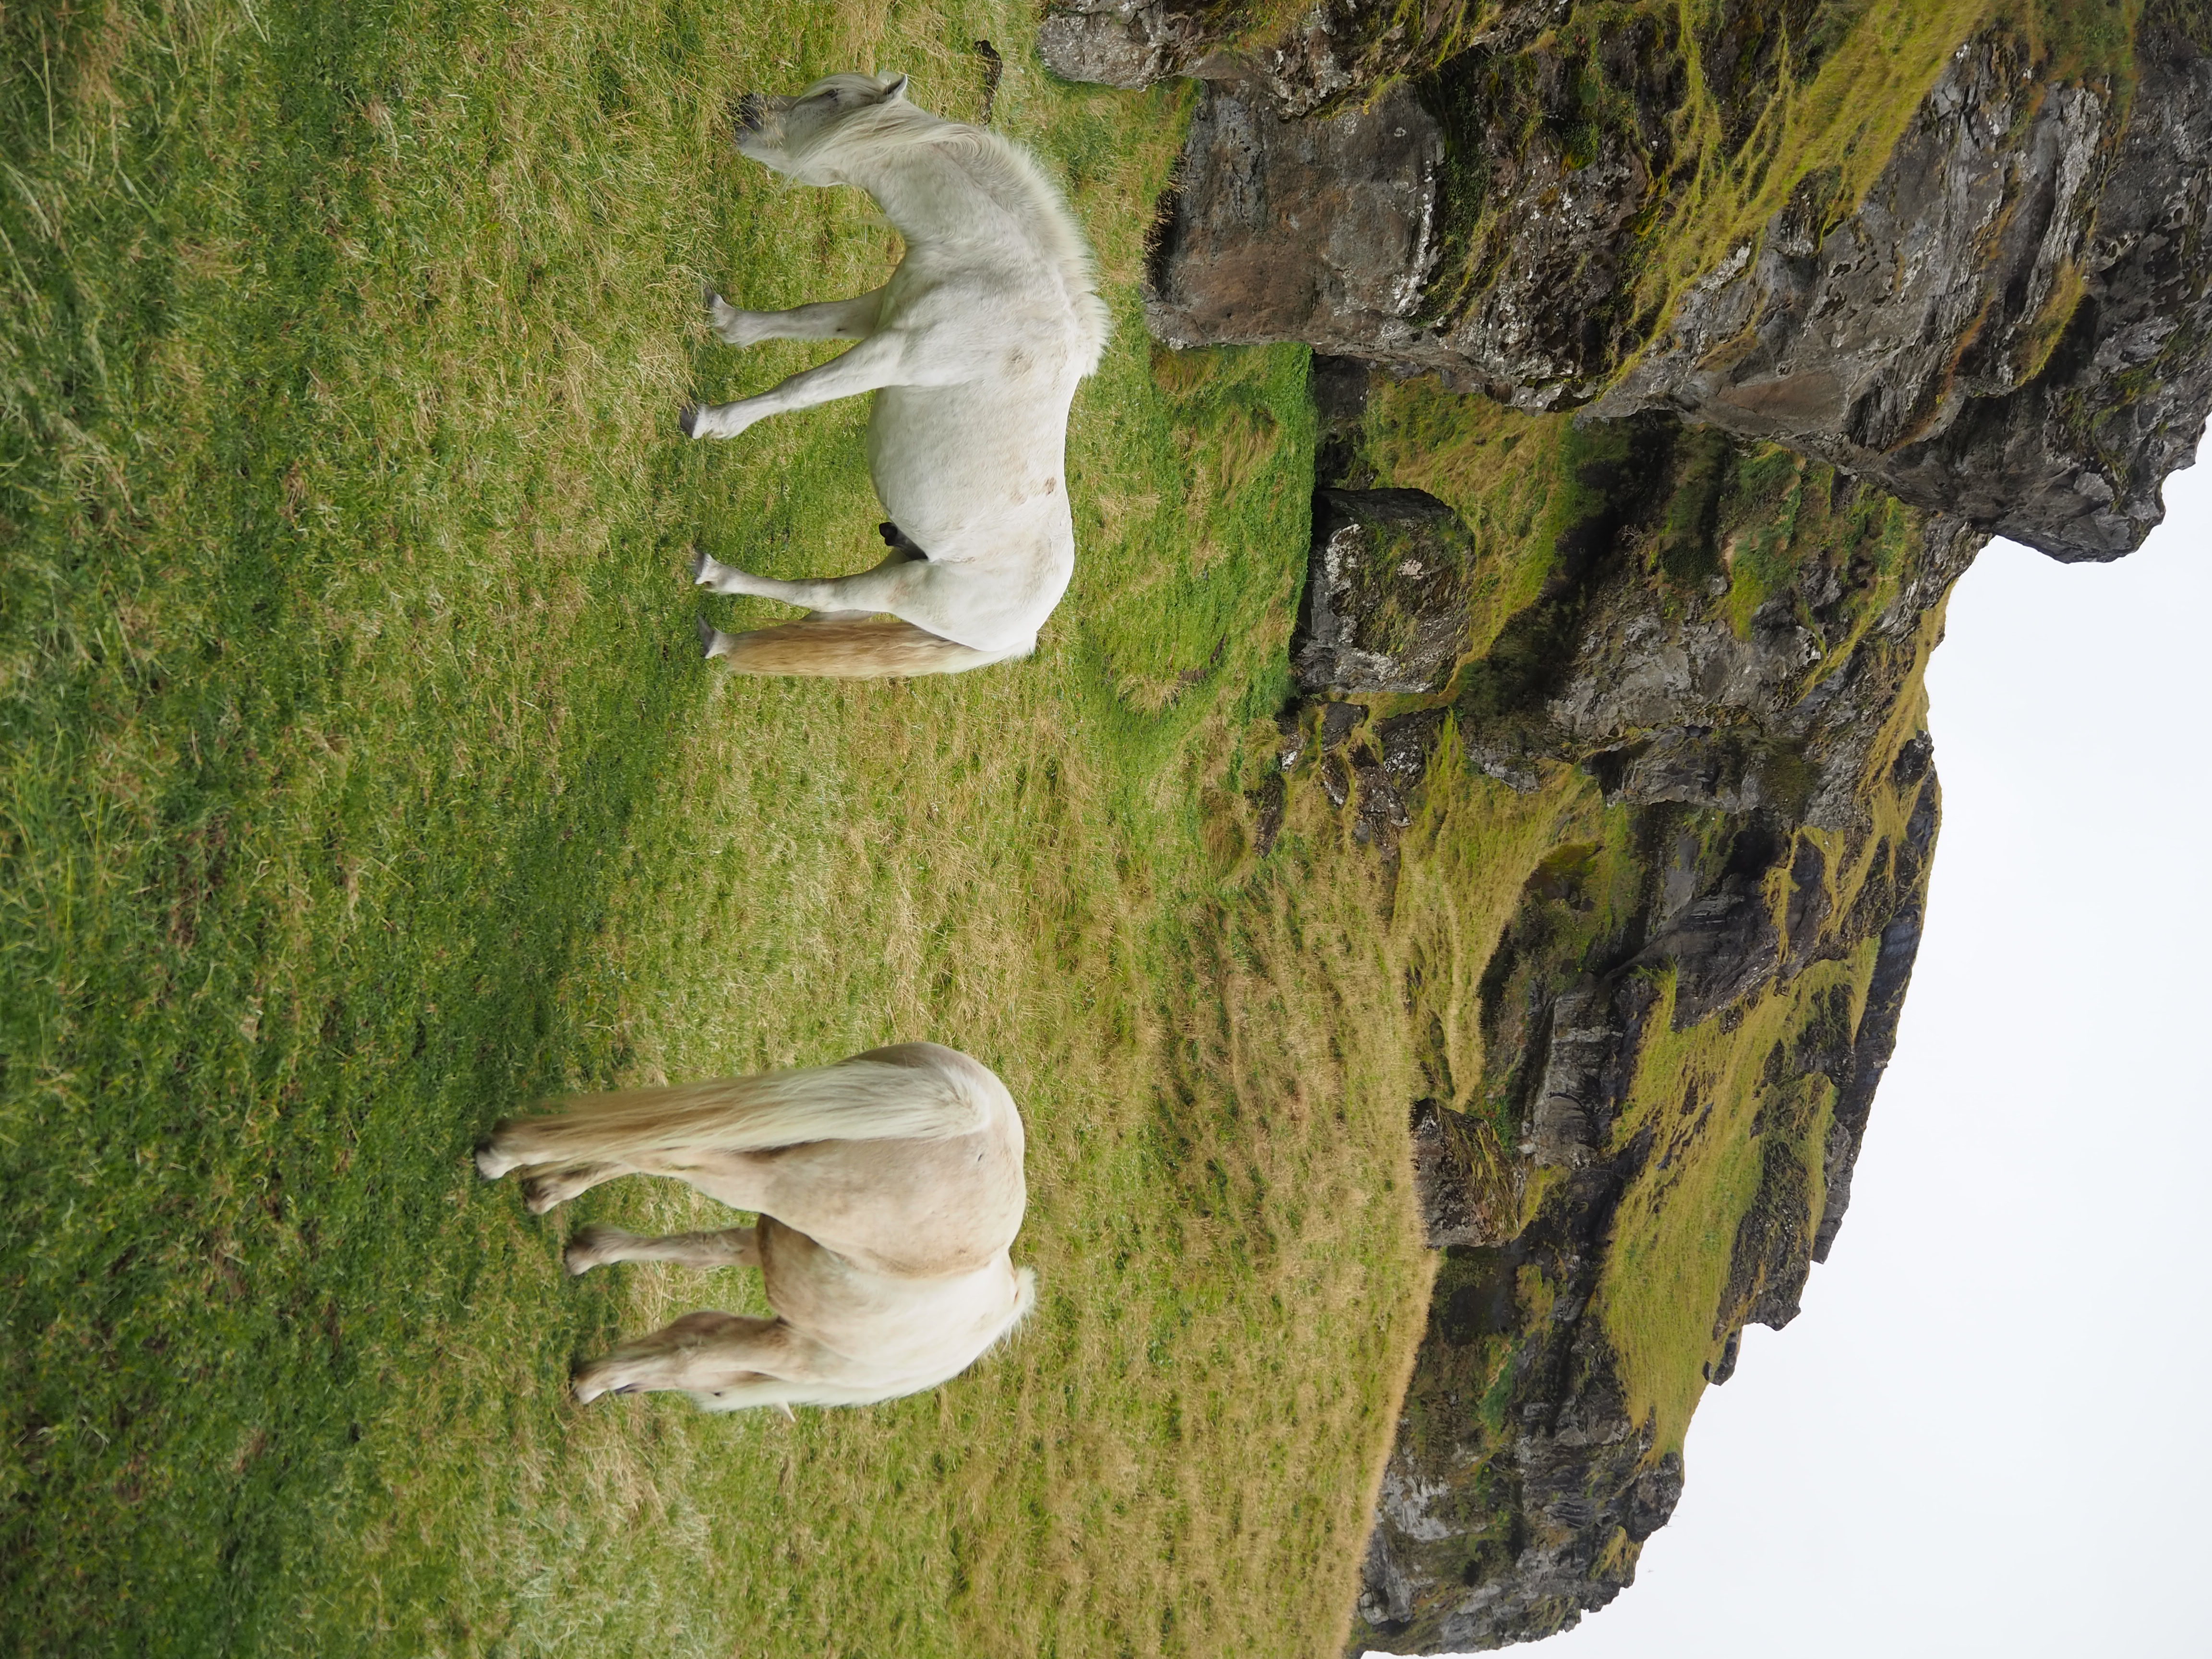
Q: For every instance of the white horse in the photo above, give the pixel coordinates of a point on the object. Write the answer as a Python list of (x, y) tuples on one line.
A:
[(975, 346), (889, 1188)]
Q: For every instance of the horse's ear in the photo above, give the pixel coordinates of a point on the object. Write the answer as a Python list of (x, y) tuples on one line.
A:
[(895, 90)]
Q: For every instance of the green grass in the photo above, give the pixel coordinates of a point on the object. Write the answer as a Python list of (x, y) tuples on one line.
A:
[(358, 785), (1667, 1269), (1508, 476)]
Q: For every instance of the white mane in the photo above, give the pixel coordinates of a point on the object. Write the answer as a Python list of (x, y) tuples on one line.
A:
[(1006, 171)]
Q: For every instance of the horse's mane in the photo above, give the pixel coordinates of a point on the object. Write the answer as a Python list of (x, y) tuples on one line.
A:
[(1065, 245), (1011, 176)]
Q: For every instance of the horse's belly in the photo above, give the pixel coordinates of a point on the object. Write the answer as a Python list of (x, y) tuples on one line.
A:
[(944, 458), (891, 1323)]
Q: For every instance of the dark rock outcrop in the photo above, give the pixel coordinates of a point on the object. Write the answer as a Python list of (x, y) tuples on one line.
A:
[(1754, 735), (1122, 43), (2011, 327), (1338, 50), (1540, 330), (1385, 606), (1557, 1466), (1448, 1170), (1321, 231), (2008, 324)]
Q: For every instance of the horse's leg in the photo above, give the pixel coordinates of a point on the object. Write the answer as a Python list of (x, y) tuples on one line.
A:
[(825, 320), (864, 593), (733, 1247), (701, 1351), (876, 362), (707, 571), (545, 1185), (520, 1146)]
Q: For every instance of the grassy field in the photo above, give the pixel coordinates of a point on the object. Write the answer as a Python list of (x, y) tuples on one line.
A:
[(358, 785)]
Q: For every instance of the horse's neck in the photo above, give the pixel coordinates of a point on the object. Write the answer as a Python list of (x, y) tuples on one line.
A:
[(925, 192)]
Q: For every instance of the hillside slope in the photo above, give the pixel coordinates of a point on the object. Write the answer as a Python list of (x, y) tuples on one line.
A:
[(1682, 358)]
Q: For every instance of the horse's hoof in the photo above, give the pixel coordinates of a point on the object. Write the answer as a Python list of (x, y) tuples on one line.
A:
[(588, 1380), (541, 1194), (689, 420), (698, 566), (578, 1258), (491, 1162), (751, 112), (709, 637)]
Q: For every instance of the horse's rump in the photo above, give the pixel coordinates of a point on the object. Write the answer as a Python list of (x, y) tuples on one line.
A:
[(889, 1188)]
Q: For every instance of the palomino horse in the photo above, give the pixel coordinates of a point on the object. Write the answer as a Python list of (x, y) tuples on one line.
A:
[(889, 1188), (974, 348)]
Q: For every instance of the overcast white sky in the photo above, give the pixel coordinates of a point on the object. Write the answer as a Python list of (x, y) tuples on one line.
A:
[(1990, 1431)]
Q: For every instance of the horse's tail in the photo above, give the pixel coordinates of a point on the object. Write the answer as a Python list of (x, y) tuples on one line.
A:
[(848, 648), (915, 1098)]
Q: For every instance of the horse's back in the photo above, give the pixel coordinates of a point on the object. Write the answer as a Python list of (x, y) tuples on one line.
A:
[(998, 249)]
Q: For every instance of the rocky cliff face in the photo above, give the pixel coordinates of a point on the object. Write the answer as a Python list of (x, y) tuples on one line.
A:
[(1683, 1021), (1778, 309), (1984, 285), (2011, 327)]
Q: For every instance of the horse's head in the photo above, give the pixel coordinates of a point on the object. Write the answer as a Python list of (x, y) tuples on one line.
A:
[(781, 133)]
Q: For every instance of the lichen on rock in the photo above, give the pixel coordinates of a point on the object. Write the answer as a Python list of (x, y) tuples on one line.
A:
[(1984, 285)]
